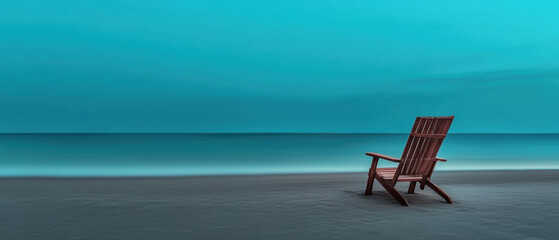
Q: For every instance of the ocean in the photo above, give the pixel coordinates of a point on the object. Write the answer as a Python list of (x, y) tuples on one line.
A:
[(99, 155)]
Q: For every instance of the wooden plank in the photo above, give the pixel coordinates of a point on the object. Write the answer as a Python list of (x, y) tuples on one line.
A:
[(411, 189), (414, 146), (442, 193), (443, 129), (372, 173), (389, 176), (410, 138), (390, 189), (372, 154), (426, 151), (411, 142), (429, 135), (416, 157)]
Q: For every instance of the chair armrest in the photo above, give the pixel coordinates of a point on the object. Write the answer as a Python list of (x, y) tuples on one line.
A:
[(383, 157), (440, 159)]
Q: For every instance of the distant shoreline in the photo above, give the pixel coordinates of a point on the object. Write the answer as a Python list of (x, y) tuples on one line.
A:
[(254, 174), (261, 133)]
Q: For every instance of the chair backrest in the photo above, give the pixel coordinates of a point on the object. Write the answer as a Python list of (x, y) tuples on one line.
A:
[(423, 144)]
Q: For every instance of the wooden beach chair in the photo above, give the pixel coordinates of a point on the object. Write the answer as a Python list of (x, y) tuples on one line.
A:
[(417, 162)]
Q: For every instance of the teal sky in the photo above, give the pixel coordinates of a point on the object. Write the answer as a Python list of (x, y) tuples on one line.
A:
[(278, 66)]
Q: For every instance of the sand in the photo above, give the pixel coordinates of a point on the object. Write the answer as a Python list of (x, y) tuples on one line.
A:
[(488, 205)]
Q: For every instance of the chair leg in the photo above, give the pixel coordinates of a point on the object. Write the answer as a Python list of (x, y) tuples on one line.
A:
[(370, 181), (395, 194), (411, 189), (372, 174), (438, 190)]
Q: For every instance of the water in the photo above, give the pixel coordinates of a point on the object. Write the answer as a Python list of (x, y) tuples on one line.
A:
[(199, 154)]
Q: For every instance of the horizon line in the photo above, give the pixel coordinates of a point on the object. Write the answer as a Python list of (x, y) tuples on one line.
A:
[(479, 133), (233, 174)]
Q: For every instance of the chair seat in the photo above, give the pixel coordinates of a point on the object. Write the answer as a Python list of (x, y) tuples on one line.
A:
[(388, 174)]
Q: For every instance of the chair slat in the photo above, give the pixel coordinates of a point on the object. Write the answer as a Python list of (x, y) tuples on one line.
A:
[(423, 144), (415, 144), (419, 161)]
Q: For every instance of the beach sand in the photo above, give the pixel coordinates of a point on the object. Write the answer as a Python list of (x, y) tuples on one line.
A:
[(488, 205)]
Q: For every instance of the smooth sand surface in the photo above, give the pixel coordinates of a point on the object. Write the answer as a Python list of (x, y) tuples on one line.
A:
[(488, 205)]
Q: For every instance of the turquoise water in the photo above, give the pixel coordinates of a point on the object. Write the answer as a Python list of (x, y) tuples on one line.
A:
[(200, 154)]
